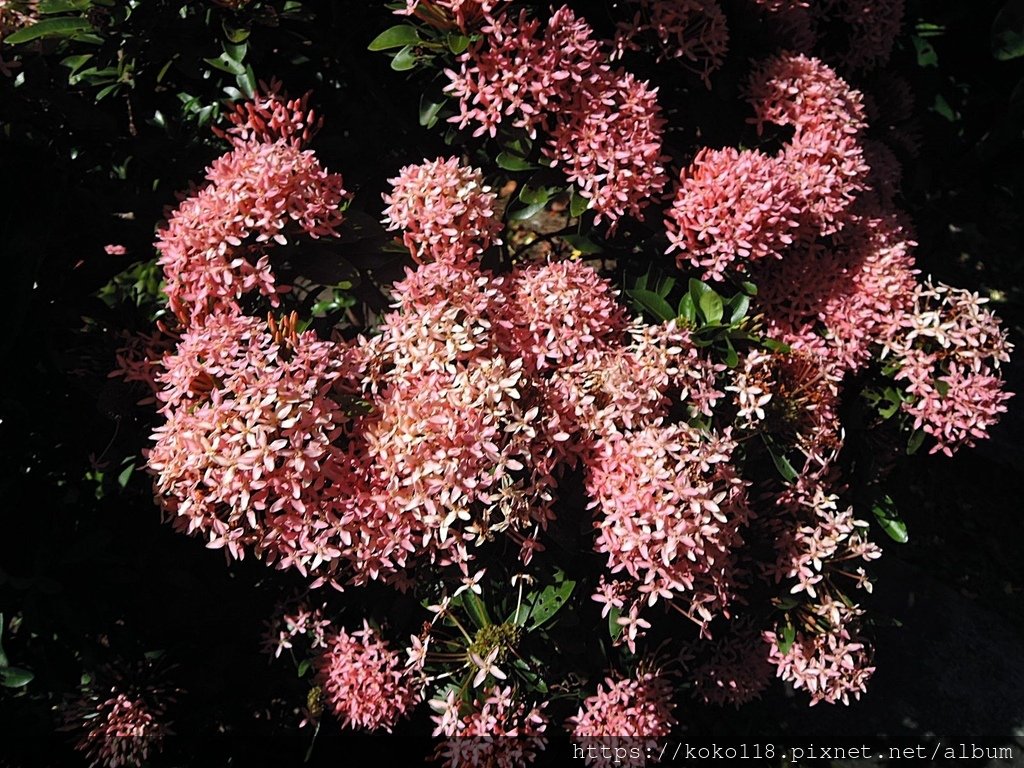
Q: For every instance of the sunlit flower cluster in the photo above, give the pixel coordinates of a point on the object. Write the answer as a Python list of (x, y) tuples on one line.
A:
[(366, 684), (604, 125)]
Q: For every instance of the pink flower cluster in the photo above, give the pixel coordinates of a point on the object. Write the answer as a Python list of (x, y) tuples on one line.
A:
[(303, 622), (631, 713), (830, 662), (445, 210), (497, 730), (734, 208), (247, 454), (367, 685), (121, 729), (672, 508), (948, 349), (604, 125), (694, 31), (463, 15), (215, 247)]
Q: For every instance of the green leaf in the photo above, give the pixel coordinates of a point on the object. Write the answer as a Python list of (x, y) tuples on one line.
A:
[(509, 162), (711, 306), (47, 7), (652, 302), (887, 517), (457, 43), (732, 359), (578, 204), (738, 305), (15, 677), (126, 474), (785, 469), (787, 639), (476, 609), (665, 286), (749, 288), (1008, 31), (614, 628), (522, 214), (404, 60), (915, 441), (398, 36), (304, 667), (3, 656), (687, 309), (62, 27), (226, 64), (532, 195), (926, 55), (247, 82), (429, 111), (548, 602)]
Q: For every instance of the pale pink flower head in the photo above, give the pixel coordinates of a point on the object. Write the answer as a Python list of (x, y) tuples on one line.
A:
[(498, 729), (449, 15), (948, 350), (215, 246), (555, 313), (247, 454), (632, 712), (830, 662), (608, 140), (115, 249), (366, 683), (731, 207), (671, 508), (121, 728), (270, 116), (793, 89), (694, 32), (445, 210)]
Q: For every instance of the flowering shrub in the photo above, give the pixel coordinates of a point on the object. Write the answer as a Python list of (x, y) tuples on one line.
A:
[(596, 374)]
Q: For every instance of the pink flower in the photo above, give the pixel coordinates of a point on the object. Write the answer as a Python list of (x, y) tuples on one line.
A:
[(115, 250), (830, 662), (635, 713), (730, 208), (495, 730), (124, 727), (450, 14), (445, 209), (671, 508), (556, 313), (605, 126), (949, 349), (366, 684)]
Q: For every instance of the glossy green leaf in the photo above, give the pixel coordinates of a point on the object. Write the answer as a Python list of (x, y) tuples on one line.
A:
[(1008, 31), (15, 677), (549, 601), (404, 60), (511, 162), (614, 628), (738, 307), (397, 36), (787, 638), (457, 43), (583, 244), (915, 441), (578, 204), (890, 521), (528, 212), (652, 302), (429, 111), (61, 27)]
